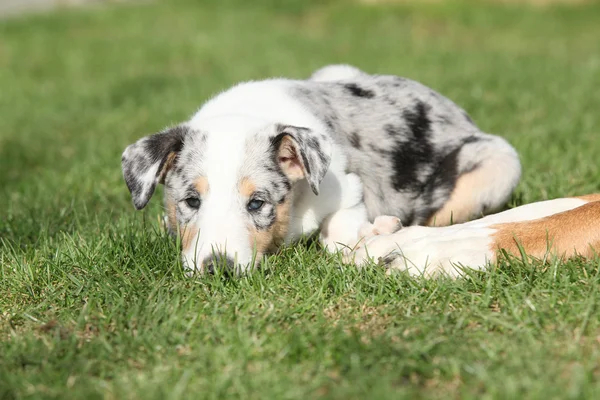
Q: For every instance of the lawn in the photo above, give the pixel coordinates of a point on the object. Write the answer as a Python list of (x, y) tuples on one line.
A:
[(93, 300)]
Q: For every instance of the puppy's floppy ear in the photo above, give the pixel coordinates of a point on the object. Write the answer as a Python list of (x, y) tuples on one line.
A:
[(302, 153), (146, 162)]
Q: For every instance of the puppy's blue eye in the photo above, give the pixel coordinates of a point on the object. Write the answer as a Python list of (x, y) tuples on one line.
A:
[(193, 202), (255, 205)]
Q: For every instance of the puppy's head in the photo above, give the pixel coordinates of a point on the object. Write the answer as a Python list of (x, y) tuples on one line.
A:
[(228, 185)]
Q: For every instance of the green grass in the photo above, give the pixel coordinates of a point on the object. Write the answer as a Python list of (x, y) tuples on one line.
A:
[(93, 301)]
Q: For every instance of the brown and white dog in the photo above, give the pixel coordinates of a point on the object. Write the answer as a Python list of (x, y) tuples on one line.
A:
[(561, 228)]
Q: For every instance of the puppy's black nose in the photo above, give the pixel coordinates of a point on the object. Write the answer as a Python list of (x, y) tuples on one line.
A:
[(218, 261)]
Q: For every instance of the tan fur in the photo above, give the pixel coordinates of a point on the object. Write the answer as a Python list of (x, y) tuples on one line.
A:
[(289, 160), (188, 234), (566, 234), (462, 204), (270, 239), (590, 197), (171, 215), (201, 185), (167, 166), (247, 187)]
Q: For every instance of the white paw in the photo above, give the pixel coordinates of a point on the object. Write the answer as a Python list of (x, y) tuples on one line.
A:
[(427, 251), (383, 225)]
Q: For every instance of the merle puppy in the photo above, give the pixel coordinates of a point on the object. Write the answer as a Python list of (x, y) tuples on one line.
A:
[(267, 161)]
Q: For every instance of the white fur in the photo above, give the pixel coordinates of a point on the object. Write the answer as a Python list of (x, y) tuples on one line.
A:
[(233, 115), (221, 227), (433, 250), (336, 73), (229, 136)]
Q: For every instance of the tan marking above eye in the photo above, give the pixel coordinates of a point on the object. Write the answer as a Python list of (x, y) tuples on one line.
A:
[(247, 187), (201, 185)]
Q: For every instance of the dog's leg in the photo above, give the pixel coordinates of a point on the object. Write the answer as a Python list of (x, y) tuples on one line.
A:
[(346, 228), (339, 231), (561, 227), (566, 234), (489, 171), (383, 225)]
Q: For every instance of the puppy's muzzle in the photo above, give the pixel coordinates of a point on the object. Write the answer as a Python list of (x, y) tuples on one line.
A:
[(219, 262)]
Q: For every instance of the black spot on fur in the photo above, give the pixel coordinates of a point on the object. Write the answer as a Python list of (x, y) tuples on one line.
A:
[(409, 218), (356, 90), (471, 139), (446, 173), (409, 157), (441, 183), (159, 146), (355, 140), (418, 120), (392, 130)]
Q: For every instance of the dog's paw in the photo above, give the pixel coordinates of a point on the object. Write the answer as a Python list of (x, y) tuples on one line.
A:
[(386, 225), (374, 246), (383, 225), (427, 251), (396, 251)]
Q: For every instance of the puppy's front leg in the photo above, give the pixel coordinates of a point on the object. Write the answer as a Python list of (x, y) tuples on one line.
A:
[(345, 229), (340, 230)]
